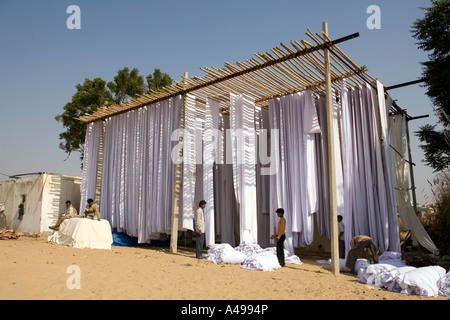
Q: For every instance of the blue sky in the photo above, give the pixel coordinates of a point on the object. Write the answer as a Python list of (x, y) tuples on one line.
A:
[(41, 60)]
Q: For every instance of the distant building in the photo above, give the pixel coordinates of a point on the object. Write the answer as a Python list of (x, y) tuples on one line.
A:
[(43, 196)]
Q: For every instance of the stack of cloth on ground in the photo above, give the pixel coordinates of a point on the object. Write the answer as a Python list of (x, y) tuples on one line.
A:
[(249, 256), (6, 234), (394, 275)]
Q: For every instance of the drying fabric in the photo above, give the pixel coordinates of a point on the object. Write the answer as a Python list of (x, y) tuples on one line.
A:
[(294, 187), (242, 124), (410, 221), (210, 149), (138, 171), (187, 199), (225, 201), (90, 159), (83, 233), (369, 201)]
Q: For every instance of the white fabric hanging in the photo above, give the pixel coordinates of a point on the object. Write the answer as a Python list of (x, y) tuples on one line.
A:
[(369, 204), (89, 174), (242, 124), (138, 172), (187, 199), (410, 221), (210, 140), (294, 187)]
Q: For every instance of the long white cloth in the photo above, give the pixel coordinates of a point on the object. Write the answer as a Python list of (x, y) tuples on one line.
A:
[(138, 171), (406, 212), (83, 233), (242, 124), (294, 186), (188, 201), (210, 141), (369, 203), (90, 159)]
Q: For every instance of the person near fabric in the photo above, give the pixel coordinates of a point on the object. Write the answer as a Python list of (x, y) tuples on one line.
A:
[(280, 236), (91, 210), (69, 213), (22, 208), (341, 238), (200, 229), (359, 246)]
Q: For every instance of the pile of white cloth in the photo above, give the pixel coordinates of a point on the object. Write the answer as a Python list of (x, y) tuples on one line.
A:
[(83, 233), (394, 275), (249, 256)]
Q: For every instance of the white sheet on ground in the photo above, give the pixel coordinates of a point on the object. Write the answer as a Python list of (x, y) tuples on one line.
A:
[(249, 256), (83, 233)]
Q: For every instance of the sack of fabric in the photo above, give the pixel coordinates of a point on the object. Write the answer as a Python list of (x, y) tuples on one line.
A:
[(444, 285), (231, 256), (360, 264), (215, 252), (393, 258), (391, 279), (423, 281), (264, 261), (372, 274)]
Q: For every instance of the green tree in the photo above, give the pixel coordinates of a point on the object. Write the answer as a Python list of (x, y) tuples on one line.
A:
[(90, 96), (158, 80), (433, 34), (127, 84)]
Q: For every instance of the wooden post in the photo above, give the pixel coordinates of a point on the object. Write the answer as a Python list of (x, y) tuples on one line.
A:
[(331, 163), (177, 184), (98, 182), (411, 169)]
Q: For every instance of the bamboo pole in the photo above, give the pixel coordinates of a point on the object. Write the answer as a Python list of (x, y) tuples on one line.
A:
[(331, 163), (98, 178), (177, 184)]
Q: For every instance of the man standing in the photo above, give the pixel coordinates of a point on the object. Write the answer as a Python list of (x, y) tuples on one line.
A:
[(280, 236), (91, 210), (200, 229), (341, 237)]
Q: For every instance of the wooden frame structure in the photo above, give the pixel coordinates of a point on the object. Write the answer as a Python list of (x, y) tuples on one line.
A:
[(317, 65)]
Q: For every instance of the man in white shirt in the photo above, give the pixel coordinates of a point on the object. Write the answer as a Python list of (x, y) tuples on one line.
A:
[(200, 229), (69, 213)]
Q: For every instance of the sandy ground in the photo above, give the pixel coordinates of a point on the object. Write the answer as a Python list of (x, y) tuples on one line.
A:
[(31, 268)]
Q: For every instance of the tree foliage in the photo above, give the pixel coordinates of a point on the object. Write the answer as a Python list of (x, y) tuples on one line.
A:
[(93, 94), (433, 35), (127, 84), (90, 96)]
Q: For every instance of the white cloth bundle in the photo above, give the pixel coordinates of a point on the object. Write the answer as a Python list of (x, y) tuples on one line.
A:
[(423, 281), (83, 233), (391, 257), (373, 273), (249, 256), (391, 279), (264, 261), (444, 285)]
